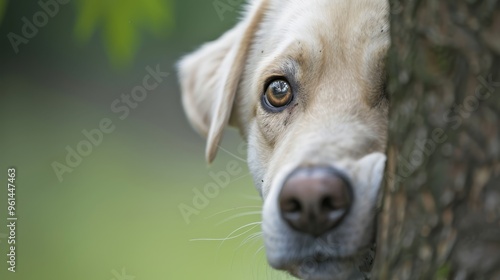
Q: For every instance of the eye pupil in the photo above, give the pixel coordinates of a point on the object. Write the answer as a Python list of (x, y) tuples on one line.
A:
[(278, 93), (279, 87)]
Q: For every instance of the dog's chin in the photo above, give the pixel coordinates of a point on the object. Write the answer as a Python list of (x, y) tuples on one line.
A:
[(326, 269), (330, 268)]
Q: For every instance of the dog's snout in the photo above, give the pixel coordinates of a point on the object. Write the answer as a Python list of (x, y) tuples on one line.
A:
[(314, 200)]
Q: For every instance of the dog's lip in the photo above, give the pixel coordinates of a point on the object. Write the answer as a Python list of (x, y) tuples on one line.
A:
[(316, 259), (319, 260), (316, 267)]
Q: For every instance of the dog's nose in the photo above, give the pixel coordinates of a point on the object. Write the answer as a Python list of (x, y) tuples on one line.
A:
[(314, 200)]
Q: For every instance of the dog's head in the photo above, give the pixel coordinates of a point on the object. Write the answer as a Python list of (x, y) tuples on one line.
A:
[(304, 83)]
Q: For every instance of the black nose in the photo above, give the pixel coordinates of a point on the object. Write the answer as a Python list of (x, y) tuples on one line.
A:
[(314, 200)]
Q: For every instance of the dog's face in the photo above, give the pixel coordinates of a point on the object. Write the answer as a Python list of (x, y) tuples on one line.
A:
[(304, 83)]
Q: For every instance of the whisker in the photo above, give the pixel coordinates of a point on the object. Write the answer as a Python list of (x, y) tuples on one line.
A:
[(229, 237), (239, 215), (231, 154), (260, 268), (254, 224), (258, 250), (229, 210), (249, 238)]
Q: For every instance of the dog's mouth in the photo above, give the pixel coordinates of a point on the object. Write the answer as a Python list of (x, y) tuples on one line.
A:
[(323, 267)]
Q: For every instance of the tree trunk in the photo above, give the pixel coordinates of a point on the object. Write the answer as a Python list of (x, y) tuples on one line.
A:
[(440, 215)]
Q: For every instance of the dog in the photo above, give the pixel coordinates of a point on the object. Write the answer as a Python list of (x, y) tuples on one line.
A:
[(304, 83)]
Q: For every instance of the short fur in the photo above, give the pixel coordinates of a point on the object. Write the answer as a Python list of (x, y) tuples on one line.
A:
[(333, 53)]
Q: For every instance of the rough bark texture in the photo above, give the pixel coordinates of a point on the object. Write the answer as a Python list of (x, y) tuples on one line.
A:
[(440, 217)]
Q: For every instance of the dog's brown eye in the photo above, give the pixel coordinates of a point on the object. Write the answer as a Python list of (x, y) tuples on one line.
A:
[(278, 93)]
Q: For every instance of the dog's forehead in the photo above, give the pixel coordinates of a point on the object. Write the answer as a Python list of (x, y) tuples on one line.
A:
[(329, 21), (336, 38)]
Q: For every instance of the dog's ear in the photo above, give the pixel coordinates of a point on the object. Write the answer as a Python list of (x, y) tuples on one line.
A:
[(209, 78)]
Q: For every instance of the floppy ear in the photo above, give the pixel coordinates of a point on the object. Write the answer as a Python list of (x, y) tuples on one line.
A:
[(209, 78)]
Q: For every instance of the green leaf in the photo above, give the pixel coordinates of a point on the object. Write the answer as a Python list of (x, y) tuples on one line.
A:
[(3, 6), (121, 38), (443, 272), (121, 23), (88, 16)]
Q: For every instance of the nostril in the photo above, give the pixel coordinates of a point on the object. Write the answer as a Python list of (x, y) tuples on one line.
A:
[(314, 200), (291, 211), (291, 205), (332, 210), (328, 204)]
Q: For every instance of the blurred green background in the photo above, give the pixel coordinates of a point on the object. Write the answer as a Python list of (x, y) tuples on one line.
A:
[(116, 215)]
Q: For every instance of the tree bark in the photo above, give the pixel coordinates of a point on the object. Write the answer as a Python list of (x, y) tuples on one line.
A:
[(440, 216)]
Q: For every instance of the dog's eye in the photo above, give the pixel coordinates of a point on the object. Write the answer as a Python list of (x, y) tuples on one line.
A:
[(278, 93)]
